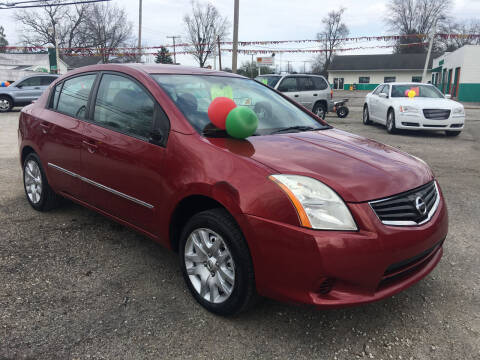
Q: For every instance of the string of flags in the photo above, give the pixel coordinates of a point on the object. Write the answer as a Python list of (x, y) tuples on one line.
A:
[(72, 51)]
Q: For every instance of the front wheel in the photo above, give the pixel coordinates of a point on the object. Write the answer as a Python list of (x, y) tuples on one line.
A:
[(391, 122), (6, 104), (320, 110), (216, 263), (366, 116)]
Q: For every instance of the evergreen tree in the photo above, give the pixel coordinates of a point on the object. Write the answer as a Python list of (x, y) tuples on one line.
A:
[(163, 56)]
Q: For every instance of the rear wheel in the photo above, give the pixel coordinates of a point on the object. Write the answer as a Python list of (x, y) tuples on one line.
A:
[(452, 133), (391, 122), (320, 110), (39, 194), (366, 116), (216, 263), (6, 104), (342, 112)]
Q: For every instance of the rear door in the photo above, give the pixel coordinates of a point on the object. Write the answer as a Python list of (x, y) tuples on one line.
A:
[(289, 87), (62, 125), (120, 160), (308, 94)]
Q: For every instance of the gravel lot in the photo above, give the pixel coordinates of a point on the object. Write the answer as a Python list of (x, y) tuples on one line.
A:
[(75, 285)]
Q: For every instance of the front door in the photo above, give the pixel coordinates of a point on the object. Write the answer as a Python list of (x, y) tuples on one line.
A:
[(120, 164)]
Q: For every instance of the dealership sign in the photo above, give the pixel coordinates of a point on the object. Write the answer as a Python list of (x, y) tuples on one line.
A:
[(266, 60)]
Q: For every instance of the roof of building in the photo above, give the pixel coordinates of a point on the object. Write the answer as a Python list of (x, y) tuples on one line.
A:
[(379, 62), (74, 62)]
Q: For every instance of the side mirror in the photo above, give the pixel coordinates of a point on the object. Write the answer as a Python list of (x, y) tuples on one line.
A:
[(448, 96), (383, 95), (19, 86), (156, 137)]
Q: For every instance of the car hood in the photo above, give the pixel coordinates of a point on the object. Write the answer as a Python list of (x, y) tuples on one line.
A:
[(428, 103), (359, 169)]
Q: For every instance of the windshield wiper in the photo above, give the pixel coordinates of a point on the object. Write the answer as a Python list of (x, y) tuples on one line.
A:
[(297, 128)]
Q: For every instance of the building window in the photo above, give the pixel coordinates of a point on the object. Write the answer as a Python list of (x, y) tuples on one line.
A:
[(364, 80), (389, 79), (416, 79)]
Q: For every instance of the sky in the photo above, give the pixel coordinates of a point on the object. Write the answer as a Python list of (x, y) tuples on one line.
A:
[(263, 20)]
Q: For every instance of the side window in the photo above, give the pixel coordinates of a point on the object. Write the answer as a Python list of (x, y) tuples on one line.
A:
[(73, 98), (56, 95), (378, 90), (305, 84), (320, 83), (46, 80), (33, 81), (288, 84), (123, 105)]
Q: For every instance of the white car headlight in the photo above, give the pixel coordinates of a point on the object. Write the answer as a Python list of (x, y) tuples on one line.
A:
[(317, 205), (458, 111), (409, 109)]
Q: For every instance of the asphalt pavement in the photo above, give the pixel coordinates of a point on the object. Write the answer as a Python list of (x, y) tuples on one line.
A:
[(75, 285)]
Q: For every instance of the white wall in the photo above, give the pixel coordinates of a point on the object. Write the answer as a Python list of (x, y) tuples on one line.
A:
[(37, 62), (376, 77), (467, 58)]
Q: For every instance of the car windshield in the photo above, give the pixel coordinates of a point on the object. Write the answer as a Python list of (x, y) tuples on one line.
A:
[(268, 80), (426, 91), (194, 93)]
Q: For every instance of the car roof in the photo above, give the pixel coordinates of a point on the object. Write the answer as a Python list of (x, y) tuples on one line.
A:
[(40, 74), (405, 83), (156, 69)]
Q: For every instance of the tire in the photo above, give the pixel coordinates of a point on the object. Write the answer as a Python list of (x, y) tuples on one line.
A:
[(452, 133), (320, 110), (213, 252), (6, 103), (366, 115), (37, 190), (342, 112), (391, 129)]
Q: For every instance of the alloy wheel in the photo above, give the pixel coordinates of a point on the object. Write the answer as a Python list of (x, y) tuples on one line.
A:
[(320, 112), (4, 104), (365, 115), (209, 265), (33, 181)]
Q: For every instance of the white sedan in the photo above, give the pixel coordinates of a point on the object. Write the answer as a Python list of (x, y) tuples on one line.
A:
[(413, 106)]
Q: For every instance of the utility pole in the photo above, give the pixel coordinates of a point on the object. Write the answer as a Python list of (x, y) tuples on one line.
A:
[(235, 36), (219, 54), (173, 37), (139, 30), (251, 68), (430, 45)]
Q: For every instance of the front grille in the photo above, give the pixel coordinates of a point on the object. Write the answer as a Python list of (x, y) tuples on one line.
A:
[(436, 114), (413, 207)]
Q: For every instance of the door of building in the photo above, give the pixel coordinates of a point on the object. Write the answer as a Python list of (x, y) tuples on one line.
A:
[(456, 82)]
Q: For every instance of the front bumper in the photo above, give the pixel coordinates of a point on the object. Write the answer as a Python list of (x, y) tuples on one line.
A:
[(293, 264), (419, 122)]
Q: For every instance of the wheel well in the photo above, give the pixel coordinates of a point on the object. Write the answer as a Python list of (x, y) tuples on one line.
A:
[(7, 96), (25, 151), (184, 211), (323, 102), (365, 105), (390, 109)]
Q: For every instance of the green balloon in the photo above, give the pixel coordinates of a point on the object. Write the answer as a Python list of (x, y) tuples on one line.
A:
[(241, 122)]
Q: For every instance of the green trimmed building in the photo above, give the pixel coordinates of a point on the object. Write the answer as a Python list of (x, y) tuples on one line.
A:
[(458, 73), (365, 72)]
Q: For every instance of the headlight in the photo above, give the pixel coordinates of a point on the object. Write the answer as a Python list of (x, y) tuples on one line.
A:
[(459, 111), (409, 109), (318, 206)]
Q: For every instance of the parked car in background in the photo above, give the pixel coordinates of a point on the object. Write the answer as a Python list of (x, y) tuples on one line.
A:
[(413, 106), (312, 91), (299, 212), (24, 91)]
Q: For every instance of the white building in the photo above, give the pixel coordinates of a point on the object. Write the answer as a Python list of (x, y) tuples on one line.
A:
[(15, 66), (458, 73), (365, 72)]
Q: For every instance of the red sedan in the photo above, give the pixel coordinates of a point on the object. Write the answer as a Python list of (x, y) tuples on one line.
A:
[(298, 211)]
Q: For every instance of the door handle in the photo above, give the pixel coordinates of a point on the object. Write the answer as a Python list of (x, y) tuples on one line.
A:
[(45, 127), (91, 147), (37, 88), (296, 95), (315, 94)]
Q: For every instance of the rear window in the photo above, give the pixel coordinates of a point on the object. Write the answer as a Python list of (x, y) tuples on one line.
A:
[(74, 94), (268, 80)]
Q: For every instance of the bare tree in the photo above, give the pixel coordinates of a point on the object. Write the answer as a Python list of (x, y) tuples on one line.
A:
[(3, 40), (331, 37), (414, 18), (105, 28), (41, 26), (202, 27), (469, 27)]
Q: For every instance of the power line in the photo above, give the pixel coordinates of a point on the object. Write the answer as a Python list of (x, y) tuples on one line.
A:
[(9, 6)]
